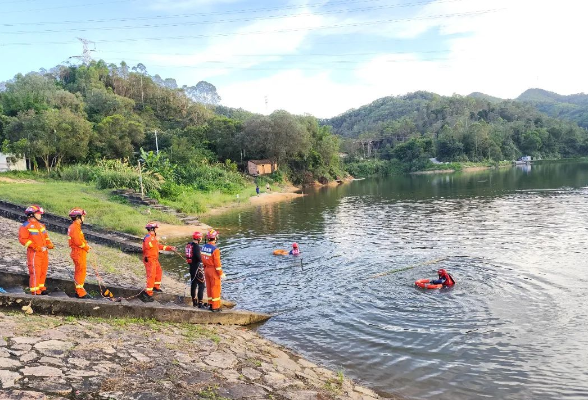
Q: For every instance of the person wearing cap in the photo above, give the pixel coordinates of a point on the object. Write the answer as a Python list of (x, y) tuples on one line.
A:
[(196, 270), (295, 250), (79, 250), (213, 271), (151, 248), (33, 236)]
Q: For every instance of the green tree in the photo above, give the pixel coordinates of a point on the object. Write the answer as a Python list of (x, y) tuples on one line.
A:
[(118, 137), (52, 135)]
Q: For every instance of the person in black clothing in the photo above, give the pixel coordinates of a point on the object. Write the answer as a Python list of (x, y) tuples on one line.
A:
[(196, 270)]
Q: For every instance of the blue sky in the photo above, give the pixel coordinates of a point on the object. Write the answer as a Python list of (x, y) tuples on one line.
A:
[(317, 57)]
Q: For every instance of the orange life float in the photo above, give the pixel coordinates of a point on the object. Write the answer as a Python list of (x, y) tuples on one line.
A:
[(424, 284), (280, 252)]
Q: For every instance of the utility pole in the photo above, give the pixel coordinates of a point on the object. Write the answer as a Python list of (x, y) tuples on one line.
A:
[(156, 143), (141, 179), (86, 57)]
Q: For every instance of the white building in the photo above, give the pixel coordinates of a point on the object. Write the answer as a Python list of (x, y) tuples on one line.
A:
[(6, 165)]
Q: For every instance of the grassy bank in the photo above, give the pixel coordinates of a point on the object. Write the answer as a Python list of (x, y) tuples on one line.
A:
[(104, 209), (107, 210)]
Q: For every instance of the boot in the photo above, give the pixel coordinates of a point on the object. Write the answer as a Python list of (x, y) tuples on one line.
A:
[(195, 303), (201, 305), (145, 297), (158, 290)]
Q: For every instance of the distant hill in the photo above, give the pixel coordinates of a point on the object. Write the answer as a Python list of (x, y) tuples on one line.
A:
[(463, 128), (573, 107), (483, 96)]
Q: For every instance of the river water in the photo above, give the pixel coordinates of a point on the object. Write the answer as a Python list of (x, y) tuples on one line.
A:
[(515, 324)]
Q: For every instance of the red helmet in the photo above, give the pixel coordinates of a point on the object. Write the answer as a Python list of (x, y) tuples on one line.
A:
[(76, 212), (197, 235), (151, 225), (295, 245), (442, 272), (34, 209), (212, 234)]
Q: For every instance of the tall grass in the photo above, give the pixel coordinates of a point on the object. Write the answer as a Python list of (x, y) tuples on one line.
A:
[(103, 209), (109, 174)]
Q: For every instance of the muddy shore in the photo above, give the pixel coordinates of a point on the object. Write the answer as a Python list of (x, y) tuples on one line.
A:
[(48, 357)]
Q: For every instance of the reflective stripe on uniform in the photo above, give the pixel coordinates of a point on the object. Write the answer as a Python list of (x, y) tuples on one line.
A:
[(217, 299), (79, 286), (27, 244), (157, 283), (219, 268), (82, 245), (41, 285), (32, 230), (150, 244), (34, 289)]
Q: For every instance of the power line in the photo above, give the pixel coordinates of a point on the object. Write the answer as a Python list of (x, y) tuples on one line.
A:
[(320, 66), (287, 55), (350, 25), (206, 22), (228, 12), (70, 6)]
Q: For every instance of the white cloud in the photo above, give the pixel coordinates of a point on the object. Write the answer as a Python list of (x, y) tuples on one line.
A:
[(243, 49), (297, 92), (527, 44)]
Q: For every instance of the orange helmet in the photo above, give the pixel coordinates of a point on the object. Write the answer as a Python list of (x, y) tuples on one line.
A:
[(34, 209), (442, 272), (76, 212), (212, 234), (151, 225), (295, 245), (197, 235)]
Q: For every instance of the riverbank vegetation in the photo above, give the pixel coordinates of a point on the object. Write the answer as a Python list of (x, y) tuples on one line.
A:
[(104, 209), (103, 123), (403, 133)]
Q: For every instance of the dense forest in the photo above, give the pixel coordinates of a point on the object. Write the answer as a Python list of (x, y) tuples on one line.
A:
[(94, 122), (572, 108), (421, 125)]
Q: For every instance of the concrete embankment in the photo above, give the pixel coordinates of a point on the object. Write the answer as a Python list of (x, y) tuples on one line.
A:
[(65, 357)]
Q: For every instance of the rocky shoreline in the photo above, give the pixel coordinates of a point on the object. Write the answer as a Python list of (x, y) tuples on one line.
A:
[(49, 357)]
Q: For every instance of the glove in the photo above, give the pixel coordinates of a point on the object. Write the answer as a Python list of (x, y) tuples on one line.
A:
[(223, 276), (50, 246)]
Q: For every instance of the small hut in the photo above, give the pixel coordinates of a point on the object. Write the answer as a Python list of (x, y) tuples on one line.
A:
[(261, 167)]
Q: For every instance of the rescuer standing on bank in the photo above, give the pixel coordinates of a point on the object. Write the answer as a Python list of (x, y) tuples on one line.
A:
[(33, 236), (79, 251), (153, 270), (213, 271), (196, 270)]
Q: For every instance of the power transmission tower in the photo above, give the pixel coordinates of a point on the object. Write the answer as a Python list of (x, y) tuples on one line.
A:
[(86, 57)]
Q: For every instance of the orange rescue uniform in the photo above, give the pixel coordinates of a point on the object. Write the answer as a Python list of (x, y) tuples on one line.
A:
[(33, 236), (151, 249), (213, 270), (79, 251)]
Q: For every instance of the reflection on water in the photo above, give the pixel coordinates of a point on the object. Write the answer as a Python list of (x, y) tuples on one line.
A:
[(514, 239)]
